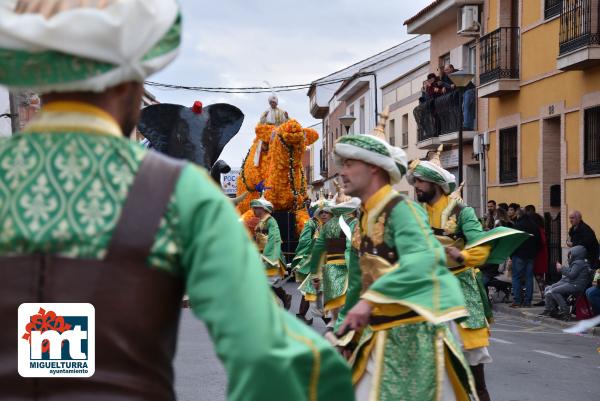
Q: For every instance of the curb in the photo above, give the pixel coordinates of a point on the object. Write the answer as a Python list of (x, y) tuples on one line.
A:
[(533, 317)]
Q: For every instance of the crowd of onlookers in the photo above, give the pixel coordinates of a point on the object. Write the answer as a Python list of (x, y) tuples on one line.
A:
[(435, 86), (573, 284)]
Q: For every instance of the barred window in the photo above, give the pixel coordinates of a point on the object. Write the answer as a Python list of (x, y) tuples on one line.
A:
[(509, 164), (552, 8), (392, 133), (591, 146)]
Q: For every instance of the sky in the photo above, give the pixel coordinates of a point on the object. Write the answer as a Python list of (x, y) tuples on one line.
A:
[(237, 43)]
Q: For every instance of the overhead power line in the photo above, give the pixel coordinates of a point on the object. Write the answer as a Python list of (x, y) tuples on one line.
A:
[(253, 89)]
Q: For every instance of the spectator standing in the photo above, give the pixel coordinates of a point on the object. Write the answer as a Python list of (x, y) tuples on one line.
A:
[(513, 208), (575, 278), (523, 259), (502, 219), (582, 234), (540, 265), (490, 218)]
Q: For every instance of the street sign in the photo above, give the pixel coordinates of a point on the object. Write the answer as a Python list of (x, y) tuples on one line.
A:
[(229, 182)]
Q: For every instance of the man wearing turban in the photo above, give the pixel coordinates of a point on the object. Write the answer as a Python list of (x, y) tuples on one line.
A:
[(274, 115)]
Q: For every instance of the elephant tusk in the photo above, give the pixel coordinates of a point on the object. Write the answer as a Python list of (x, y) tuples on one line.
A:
[(240, 198)]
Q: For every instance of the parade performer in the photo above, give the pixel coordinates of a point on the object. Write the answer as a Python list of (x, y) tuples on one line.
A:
[(351, 257), (268, 239), (405, 349), (306, 288), (303, 251), (467, 246), (274, 115), (329, 272), (97, 219)]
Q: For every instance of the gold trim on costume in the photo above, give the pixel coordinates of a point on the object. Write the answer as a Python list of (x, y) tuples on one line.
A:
[(474, 338), (335, 303), (451, 314), (74, 116), (359, 365), (380, 340), (458, 354), (314, 377), (439, 363)]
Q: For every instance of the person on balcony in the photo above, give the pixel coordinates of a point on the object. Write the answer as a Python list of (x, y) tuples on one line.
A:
[(468, 96)]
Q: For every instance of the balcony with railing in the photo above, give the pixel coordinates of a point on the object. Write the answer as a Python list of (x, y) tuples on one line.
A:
[(499, 62), (579, 40), (438, 120)]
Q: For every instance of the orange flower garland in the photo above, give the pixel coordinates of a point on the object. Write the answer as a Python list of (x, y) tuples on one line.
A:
[(280, 167), (251, 175)]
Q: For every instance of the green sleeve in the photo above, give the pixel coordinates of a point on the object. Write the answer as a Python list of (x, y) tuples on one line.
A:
[(469, 225), (305, 243), (319, 250), (354, 278), (268, 354), (420, 281), (503, 240), (272, 252)]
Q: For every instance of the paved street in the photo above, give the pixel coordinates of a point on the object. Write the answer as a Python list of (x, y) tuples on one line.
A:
[(532, 363)]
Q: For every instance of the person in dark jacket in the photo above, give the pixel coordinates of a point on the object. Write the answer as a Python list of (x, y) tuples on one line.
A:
[(582, 234), (576, 277), (523, 259)]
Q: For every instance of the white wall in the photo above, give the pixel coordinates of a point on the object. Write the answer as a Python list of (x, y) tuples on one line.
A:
[(5, 123)]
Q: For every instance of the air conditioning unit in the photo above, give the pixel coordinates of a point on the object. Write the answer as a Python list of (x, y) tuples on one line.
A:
[(468, 21)]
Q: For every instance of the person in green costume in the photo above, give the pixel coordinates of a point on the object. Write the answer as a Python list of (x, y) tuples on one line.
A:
[(307, 289), (467, 246), (67, 178), (329, 271), (351, 257), (403, 347), (309, 234), (268, 239)]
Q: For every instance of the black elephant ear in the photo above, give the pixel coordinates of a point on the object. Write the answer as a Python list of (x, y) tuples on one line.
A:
[(197, 134)]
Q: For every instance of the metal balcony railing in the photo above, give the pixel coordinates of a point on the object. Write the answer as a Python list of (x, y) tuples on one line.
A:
[(578, 25), (499, 55), (439, 116)]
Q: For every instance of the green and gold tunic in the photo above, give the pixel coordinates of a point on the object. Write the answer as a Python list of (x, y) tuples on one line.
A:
[(328, 261), (407, 350), (309, 234), (354, 276), (268, 239), (63, 182), (464, 231)]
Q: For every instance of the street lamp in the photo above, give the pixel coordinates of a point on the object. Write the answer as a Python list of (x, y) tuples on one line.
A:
[(461, 79), (347, 122)]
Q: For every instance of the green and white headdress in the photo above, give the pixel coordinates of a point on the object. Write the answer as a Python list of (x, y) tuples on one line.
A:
[(373, 149), (348, 206), (78, 45), (323, 205), (262, 203), (432, 171)]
